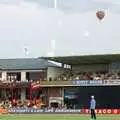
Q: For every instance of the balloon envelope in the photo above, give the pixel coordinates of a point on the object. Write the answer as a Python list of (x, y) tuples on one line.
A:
[(100, 15)]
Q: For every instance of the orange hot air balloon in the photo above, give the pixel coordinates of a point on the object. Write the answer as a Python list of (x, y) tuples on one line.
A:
[(100, 15)]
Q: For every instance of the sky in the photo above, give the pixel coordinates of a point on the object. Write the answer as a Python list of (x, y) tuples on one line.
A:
[(35, 28)]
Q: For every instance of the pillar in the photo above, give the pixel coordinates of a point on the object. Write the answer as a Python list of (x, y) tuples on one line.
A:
[(62, 65), (23, 76), (4, 76), (62, 89)]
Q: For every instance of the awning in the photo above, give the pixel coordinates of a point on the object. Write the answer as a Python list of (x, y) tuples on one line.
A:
[(86, 59)]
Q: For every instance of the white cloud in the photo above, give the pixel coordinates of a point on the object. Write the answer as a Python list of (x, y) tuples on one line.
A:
[(86, 33)]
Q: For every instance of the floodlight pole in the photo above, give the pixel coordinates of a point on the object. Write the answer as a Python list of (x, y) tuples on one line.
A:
[(55, 4)]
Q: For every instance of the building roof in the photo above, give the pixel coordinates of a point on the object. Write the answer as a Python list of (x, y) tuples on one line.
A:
[(25, 64), (86, 59)]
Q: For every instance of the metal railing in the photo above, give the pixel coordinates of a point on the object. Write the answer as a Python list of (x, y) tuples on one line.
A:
[(81, 83), (46, 83)]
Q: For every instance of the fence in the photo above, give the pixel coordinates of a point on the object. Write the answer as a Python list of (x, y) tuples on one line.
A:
[(61, 111)]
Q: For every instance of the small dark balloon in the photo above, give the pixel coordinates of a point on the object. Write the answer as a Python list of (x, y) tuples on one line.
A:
[(100, 15)]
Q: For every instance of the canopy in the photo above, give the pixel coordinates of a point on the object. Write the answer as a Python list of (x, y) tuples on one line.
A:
[(85, 59)]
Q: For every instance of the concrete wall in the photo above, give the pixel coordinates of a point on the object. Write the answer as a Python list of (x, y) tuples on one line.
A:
[(56, 93), (53, 92), (90, 68), (54, 72)]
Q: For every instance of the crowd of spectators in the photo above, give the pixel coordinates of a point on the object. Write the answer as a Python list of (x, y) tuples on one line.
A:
[(89, 76), (27, 104), (21, 104), (68, 75)]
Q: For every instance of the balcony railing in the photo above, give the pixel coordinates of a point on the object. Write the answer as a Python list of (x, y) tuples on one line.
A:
[(59, 83), (81, 83), (8, 84), (56, 83)]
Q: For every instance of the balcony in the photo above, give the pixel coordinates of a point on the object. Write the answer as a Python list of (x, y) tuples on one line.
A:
[(59, 83), (56, 83), (7, 84), (80, 83)]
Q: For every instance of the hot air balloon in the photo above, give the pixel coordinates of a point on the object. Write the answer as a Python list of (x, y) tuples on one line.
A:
[(100, 15)]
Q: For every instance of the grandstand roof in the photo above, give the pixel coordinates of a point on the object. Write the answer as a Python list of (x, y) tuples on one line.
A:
[(85, 59), (25, 64)]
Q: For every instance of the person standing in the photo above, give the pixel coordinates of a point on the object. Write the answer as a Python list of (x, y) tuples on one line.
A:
[(92, 107)]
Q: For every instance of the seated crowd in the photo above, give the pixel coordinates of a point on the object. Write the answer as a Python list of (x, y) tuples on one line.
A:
[(89, 76), (21, 104), (68, 75), (26, 104)]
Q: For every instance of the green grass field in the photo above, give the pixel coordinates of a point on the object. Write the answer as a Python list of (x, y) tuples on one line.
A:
[(57, 117)]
